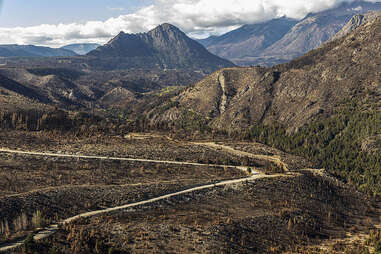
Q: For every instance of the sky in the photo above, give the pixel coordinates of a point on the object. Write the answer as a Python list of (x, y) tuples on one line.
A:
[(60, 22)]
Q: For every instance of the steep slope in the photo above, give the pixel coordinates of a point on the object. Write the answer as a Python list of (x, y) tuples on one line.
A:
[(163, 47), (355, 22), (53, 87), (292, 94), (325, 106), (316, 29), (9, 85), (81, 48), (32, 51), (248, 40), (281, 40)]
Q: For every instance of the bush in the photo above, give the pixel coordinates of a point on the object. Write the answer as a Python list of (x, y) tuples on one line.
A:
[(29, 243), (377, 247)]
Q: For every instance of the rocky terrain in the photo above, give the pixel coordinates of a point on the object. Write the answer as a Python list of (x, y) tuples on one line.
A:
[(246, 96), (76, 89), (289, 39), (248, 40), (281, 159), (333, 105), (165, 47), (355, 22), (112, 75)]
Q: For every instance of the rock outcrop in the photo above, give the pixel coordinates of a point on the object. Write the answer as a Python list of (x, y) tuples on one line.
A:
[(164, 47)]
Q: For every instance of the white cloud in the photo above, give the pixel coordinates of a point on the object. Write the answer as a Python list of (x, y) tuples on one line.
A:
[(196, 17)]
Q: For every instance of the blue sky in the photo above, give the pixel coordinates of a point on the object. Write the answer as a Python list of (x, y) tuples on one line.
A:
[(36, 12), (56, 23)]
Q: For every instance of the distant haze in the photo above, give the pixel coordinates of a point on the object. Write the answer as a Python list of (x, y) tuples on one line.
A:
[(199, 18)]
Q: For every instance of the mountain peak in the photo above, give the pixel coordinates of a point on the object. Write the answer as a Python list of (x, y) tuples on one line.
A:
[(165, 28), (166, 46)]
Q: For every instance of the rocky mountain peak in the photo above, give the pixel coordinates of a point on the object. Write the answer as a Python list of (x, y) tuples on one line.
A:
[(355, 22), (166, 27), (165, 46)]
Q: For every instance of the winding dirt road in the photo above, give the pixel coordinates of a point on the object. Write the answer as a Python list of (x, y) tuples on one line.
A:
[(275, 159), (54, 228)]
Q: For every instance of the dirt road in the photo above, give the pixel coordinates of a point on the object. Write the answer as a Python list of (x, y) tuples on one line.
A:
[(275, 159), (6, 150), (53, 228)]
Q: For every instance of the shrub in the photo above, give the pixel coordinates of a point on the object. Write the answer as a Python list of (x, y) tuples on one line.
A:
[(29, 243)]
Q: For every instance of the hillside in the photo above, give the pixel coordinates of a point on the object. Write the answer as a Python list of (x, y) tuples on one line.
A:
[(327, 99), (310, 86), (164, 47), (33, 51), (282, 40), (355, 22), (116, 152), (82, 90), (248, 40)]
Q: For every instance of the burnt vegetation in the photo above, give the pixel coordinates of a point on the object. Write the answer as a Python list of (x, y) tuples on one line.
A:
[(319, 111)]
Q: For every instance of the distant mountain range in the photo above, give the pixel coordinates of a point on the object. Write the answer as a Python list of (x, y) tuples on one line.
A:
[(14, 50), (164, 47), (293, 94), (129, 64), (81, 48), (281, 40), (33, 51), (249, 39)]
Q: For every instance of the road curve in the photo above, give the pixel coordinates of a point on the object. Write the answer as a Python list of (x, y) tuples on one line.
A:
[(275, 159), (54, 228)]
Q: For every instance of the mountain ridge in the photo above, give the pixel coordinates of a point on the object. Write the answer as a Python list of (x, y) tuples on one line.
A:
[(14, 50), (311, 86), (249, 39), (306, 34), (165, 46)]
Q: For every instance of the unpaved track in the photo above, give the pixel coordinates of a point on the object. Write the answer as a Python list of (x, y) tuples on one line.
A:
[(275, 159), (54, 228), (6, 150)]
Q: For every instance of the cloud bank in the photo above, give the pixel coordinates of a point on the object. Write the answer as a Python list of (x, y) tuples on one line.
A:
[(196, 17)]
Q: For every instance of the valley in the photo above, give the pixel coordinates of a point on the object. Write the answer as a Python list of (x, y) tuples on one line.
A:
[(102, 185), (152, 144)]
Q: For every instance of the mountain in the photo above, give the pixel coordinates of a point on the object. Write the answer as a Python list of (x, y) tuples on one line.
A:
[(208, 41), (81, 48), (355, 22), (281, 40), (248, 40), (33, 51), (54, 86), (316, 29), (325, 105), (164, 47), (291, 94)]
